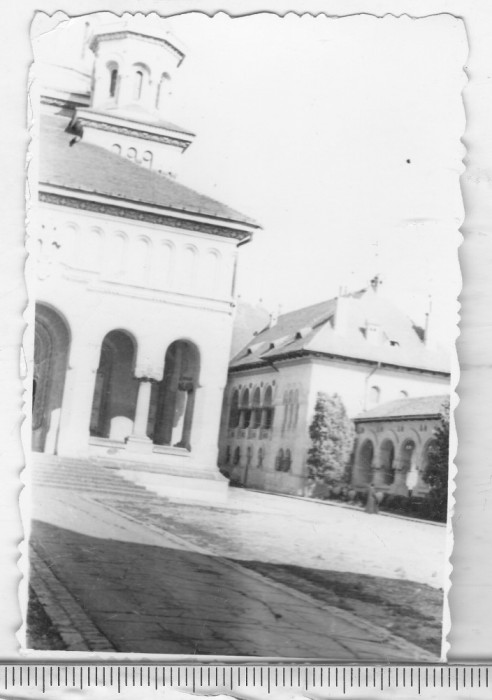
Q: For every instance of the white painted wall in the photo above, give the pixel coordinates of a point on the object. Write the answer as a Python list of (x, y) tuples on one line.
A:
[(103, 273)]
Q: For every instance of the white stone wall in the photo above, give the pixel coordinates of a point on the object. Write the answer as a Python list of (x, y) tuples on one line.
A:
[(353, 381), (103, 273), (309, 376), (103, 249), (294, 377)]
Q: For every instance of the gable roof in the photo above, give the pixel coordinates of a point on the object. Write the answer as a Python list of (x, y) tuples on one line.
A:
[(406, 408), (91, 170), (314, 330)]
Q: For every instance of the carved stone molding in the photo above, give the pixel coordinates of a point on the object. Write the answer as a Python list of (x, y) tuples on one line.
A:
[(135, 215), (150, 39), (137, 133), (148, 373)]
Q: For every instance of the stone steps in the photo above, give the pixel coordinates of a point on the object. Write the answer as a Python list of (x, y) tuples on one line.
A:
[(80, 475)]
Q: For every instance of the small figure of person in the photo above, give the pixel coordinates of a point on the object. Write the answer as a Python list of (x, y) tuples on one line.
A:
[(372, 505)]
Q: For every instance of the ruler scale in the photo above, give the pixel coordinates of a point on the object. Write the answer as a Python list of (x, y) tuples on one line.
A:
[(232, 678)]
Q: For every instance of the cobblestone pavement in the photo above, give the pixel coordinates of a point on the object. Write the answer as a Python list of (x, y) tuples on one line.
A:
[(124, 585)]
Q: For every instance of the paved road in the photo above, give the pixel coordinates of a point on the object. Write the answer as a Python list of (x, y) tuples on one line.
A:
[(150, 592)]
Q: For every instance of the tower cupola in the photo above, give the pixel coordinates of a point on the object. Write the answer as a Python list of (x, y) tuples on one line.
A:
[(133, 69)]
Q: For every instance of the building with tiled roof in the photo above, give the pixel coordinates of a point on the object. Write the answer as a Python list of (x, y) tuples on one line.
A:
[(135, 272), (393, 443), (357, 345)]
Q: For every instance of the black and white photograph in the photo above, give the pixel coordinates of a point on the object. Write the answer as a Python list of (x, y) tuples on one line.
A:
[(243, 277)]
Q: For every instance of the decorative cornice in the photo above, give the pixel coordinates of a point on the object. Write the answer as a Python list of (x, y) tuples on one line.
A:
[(137, 133), (150, 217), (63, 102), (395, 419), (303, 353), (125, 32)]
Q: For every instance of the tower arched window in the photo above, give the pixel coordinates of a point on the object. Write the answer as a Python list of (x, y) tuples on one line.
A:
[(113, 81), (138, 85), (161, 89)]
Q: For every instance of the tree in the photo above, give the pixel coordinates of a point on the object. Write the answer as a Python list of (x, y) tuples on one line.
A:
[(332, 436), (436, 474)]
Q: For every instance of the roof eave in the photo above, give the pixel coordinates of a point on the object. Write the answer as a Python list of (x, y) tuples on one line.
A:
[(379, 419), (155, 208)]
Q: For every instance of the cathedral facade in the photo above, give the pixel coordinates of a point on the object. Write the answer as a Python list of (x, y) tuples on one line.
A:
[(134, 275)]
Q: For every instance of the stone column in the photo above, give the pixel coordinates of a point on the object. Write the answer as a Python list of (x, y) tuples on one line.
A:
[(138, 440), (204, 434), (78, 394)]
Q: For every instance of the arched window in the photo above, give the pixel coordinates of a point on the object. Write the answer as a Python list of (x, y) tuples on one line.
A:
[(286, 411), (234, 410), (131, 154), (138, 85), (290, 420), (116, 148), (256, 408), (296, 407), (161, 90), (267, 419), (287, 463), (113, 81), (228, 455), (260, 458), (279, 460), (237, 456), (249, 455), (374, 395), (245, 410)]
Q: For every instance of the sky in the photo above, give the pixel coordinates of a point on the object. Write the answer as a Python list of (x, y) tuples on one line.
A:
[(340, 136)]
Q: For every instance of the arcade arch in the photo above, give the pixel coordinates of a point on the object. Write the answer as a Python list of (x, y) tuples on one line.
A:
[(51, 349), (174, 396)]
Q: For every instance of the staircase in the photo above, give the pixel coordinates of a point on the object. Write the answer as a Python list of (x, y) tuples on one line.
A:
[(81, 475)]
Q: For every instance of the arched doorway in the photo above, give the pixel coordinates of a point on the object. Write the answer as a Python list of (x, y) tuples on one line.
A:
[(51, 348), (174, 397), (407, 458), (386, 460), (115, 392), (366, 456), (429, 449)]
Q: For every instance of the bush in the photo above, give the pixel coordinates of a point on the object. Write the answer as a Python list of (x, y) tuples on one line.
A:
[(332, 436)]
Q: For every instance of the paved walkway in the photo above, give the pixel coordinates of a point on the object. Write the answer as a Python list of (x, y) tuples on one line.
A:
[(127, 586)]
